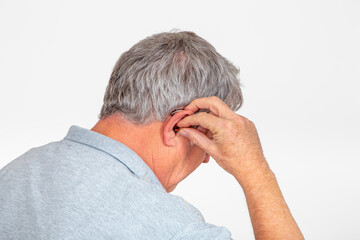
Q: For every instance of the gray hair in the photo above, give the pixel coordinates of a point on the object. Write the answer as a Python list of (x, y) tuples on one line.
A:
[(166, 71)]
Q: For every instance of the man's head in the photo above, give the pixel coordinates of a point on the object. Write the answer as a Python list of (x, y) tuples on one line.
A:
[(161, 73)]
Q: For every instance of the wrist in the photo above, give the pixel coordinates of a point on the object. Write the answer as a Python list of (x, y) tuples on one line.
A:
[(256, 175)]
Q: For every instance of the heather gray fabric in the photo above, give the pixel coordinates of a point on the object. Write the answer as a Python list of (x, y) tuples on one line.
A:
[(89, 186)]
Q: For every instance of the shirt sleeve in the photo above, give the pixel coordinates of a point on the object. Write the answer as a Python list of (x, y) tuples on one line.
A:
[(202, 231)]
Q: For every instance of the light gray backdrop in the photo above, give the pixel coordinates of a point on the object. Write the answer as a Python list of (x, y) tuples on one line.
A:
[(299, 63)]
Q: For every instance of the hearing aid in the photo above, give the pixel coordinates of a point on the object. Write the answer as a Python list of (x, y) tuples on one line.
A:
[(176, 128)]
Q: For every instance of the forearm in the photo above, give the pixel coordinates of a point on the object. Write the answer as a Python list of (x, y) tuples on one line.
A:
[(270, 216), (234, 143)]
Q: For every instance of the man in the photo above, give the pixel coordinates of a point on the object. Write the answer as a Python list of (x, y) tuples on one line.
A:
[(168, 107)]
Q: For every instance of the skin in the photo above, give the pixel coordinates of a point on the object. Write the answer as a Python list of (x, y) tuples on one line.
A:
[(230, 139), (234, 144), (171, 156)]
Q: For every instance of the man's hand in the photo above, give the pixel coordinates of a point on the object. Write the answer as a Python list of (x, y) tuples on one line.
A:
[(232, 140)]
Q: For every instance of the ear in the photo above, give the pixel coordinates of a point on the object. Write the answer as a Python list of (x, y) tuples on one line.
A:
[(170, 123)]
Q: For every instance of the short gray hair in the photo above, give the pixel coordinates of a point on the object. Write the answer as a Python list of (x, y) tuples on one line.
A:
[(166, 71)]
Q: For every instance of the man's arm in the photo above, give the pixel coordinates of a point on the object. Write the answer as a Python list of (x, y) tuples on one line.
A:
[(270, 216), (233, 142)]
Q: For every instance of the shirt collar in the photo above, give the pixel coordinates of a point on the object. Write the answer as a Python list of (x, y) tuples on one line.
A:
[(116, 149)]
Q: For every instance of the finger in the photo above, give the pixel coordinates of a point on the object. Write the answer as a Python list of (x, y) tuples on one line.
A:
[(198, 138), (209, 134), (201, 129), (205, 131), (214, 104), (205, 120)]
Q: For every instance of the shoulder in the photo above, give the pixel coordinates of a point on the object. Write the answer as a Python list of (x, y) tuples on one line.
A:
[(202, 231), (166, 216), (88, 188)]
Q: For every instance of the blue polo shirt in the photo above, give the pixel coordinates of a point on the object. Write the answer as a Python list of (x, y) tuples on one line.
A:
[(89, 186)]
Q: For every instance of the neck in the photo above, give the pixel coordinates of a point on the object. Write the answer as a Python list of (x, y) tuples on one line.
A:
[(145, 140)]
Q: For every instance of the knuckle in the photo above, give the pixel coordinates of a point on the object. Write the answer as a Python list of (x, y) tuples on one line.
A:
[(231, 125), (242, 120), (201, 115), (196, 100), (223, 124), (215, 98), (247, 120), (194, 140), (238, 116)]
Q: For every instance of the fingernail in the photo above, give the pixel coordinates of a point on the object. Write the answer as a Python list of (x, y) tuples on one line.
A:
[(184, 133)]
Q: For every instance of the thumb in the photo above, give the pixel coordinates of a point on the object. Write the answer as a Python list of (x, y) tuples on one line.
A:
[(198, 138)]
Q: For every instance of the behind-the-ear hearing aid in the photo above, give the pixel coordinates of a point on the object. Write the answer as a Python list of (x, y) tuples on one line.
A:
[(176, 128)]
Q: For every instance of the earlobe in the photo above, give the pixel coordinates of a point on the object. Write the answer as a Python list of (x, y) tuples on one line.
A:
[(170, 124)]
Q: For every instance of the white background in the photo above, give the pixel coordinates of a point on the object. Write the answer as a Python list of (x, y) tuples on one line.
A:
[(300, 68)]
